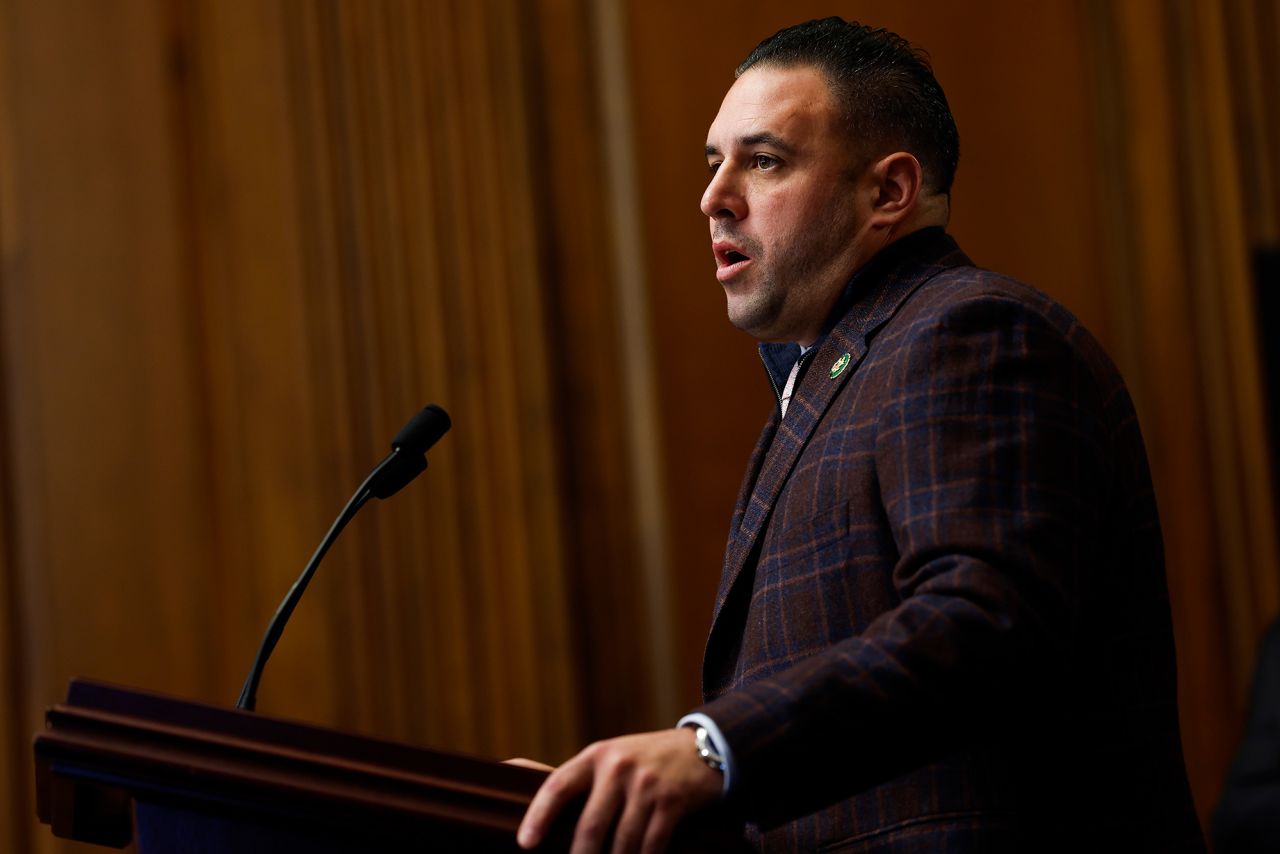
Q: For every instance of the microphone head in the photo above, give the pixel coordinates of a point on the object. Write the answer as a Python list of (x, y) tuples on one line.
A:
[(422, 431)]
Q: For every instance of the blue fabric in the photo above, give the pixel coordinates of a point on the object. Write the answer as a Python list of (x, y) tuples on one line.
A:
[(778, 360)]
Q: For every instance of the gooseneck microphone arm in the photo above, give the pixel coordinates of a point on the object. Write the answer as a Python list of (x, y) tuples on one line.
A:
[(406, 461), (248, 694)]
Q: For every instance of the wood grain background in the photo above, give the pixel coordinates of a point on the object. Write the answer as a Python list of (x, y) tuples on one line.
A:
[(243, 241)]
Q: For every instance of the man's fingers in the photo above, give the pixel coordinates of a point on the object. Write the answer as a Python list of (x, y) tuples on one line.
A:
[(597, 815), (566, 781), (652, 779), (635, 817), (657, 837), (529, 763)]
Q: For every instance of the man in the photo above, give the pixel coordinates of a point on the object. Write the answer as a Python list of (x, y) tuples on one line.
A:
[(943, 622)]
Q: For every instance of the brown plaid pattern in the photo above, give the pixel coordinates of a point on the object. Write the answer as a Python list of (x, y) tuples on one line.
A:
[(943, 622)]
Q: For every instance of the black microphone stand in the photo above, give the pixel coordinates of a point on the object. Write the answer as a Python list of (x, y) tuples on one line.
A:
[(406, 461)]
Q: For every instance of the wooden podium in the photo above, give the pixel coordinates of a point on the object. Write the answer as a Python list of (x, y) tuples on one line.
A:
[(115, 766)]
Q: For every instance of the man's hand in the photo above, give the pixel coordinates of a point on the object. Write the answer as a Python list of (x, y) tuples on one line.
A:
[(653, 779)]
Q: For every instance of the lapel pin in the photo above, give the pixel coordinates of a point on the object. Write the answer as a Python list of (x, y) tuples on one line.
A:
[(838, 368)]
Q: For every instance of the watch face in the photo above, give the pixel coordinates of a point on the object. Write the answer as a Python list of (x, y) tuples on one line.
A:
[(702, 740)]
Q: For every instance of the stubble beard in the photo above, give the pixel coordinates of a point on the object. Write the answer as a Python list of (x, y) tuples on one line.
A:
[(793, 282), (758, 310), (759, 307)]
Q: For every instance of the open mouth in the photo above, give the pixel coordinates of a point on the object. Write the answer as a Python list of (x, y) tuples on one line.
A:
[(727, 254), (730, 260)]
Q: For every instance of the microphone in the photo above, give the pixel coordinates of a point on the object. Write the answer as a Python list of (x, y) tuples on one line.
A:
[(406, 461)]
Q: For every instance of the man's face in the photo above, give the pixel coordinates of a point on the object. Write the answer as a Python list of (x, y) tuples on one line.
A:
[(781, 202)]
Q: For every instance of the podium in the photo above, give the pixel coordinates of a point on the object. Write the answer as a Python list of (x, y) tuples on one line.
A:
[(115, 766)]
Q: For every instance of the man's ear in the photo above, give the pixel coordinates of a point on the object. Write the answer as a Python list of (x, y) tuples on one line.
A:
[(899, 185)]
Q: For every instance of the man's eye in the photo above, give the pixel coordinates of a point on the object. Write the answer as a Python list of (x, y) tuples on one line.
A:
[(714, 167), (764, 162)]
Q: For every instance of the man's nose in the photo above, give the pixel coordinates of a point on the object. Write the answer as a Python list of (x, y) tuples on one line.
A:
[(723, 198)]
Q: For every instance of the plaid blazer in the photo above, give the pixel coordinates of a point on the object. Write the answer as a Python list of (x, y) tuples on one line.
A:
[(943, 622)]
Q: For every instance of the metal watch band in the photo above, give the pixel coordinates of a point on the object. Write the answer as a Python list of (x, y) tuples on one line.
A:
[(706, 750)]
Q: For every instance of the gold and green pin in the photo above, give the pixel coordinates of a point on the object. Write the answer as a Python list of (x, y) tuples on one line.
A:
[(840, 364)]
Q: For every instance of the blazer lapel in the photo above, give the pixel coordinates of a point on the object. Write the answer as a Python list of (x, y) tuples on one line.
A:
[(775, 459), (783, 440)]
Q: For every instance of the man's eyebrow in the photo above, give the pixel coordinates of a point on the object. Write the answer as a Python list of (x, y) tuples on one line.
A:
[(770, 139), (764, 138)]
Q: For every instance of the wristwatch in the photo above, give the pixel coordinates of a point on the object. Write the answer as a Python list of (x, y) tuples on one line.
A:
[(706, 750)]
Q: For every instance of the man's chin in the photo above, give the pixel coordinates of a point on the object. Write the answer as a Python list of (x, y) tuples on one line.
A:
[(756, 321)]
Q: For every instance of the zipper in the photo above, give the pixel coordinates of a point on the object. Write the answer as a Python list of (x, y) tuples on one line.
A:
[(777, 392)]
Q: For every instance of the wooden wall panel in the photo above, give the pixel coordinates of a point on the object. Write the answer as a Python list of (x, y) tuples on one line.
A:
[(102, 378), (243, 242), (1186, 179), (266, 473), (102, 384), (1252, 31), (15, 805), (618, 627), (353, 273)]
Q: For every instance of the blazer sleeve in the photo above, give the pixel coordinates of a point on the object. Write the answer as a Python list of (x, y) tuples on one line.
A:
[(991, 462)]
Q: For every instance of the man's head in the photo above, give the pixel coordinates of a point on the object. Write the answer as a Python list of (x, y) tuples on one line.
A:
[(887, 94), (803, 192)]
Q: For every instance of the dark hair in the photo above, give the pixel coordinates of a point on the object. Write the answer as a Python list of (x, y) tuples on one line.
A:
[(886, 88)]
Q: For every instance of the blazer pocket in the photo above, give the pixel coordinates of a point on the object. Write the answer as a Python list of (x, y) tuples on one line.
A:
[(812, 533)]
